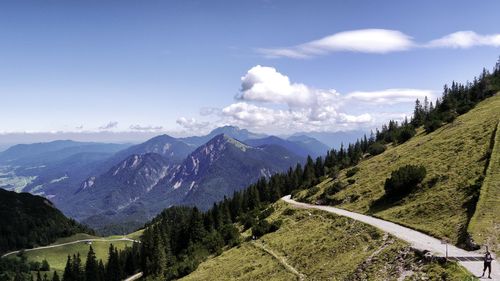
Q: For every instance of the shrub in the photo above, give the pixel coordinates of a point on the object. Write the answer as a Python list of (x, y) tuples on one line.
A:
[(266, 213), (288, 212), (231, 235), (263, 227), (404, 180), (432, 125), (351, 172), (376, 148), (351, 181), (406, 133), (45, 266), (312, 191), (335, 187), (247, 220)]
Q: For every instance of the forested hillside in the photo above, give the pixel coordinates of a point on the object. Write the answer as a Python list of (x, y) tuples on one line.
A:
[(27, 220)]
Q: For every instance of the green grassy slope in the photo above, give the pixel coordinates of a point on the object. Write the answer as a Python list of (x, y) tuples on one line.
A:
[(485, 224), (321, 246), (455, 157), (57, 256)]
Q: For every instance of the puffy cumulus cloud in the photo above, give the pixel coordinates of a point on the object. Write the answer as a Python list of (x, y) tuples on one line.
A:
[(110, 125), (266, 84), (269, 102), (390, 96), (465, 39), (147, 128), (377, 41), (285, 121), (192, 125)]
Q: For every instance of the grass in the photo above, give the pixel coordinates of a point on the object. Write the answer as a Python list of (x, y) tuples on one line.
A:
[(485, 224), (455, 157), (321, 246), (57, 256)]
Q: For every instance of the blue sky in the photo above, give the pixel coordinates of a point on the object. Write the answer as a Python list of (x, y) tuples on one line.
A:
[(187, 66)]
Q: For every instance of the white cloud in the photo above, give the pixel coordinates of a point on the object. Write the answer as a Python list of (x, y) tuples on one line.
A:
[(464, 40), (269, 102), (390, 96), (379, 41), (191, 124), (147, 128), (110, 125), (265, 84)]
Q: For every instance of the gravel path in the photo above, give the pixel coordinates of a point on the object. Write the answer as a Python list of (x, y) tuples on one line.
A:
[(72, 242), (417, 239)]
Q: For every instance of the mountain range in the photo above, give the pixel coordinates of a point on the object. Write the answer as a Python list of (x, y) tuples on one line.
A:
[(109, 186)]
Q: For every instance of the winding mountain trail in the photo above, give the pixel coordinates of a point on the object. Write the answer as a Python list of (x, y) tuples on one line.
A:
[(72, 242), (472, 261)]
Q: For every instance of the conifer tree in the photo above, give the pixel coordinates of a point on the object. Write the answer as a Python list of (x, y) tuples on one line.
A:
[(55, 276), (68, 273), (91, 266)]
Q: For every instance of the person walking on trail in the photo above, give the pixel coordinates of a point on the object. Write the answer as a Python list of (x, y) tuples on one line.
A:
[(487, 263)]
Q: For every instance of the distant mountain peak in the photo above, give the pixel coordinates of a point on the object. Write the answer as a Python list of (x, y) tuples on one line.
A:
[(215, 146)]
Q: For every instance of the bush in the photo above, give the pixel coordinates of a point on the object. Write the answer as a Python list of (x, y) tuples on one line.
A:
[(230, 234), (335, 187), (312, 191), (263, 227), (351, 181), (404, 180), (288, 212), (351, 172), (45, 266), (432, 125), (247, 220), (406, 133), (266, 213), (376, 148)]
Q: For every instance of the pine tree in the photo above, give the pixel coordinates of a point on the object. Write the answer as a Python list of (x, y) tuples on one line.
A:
[(159, 257), (55, 277), (68, 272), (91, 266), (113, 266), (77, 272), (101, 272)]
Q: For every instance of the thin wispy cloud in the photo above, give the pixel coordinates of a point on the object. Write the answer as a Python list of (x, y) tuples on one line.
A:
[(390, 96), (148, 128), (378, 41), (464, 40), (191, 124), (108, 126)]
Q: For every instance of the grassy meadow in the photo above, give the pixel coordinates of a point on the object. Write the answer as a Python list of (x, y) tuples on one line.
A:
[(455, 157), (321, 246), (485, 224)]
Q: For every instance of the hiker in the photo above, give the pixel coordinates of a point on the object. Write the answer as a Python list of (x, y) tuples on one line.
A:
[(487, 263)]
